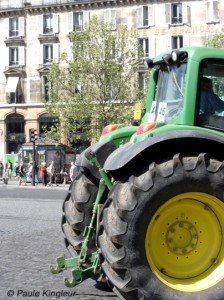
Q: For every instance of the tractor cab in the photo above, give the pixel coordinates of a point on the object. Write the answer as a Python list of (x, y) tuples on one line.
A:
[(186, 88)]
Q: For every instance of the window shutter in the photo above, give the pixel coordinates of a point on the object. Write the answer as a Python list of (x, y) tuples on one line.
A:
[(140, 17), (212, 11), (55, 23), (107, 16), (85, 19), (21, 56), (208, 12), (168, 13), (21, 26), (41, 55), (114, 18), (7, 26), (152, 48), (215, 11), (151, 15), (186, 41), (70, 21), (186, 14), (55, 52), (7, 56), (168, 43), (41, 24)]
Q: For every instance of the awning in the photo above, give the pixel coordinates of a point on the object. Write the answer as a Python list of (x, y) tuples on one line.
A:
[(11, 85)]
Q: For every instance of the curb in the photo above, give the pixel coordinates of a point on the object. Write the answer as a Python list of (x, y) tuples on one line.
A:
[(14, 183)]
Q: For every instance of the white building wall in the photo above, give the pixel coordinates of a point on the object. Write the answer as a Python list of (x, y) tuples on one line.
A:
[(159, 34)]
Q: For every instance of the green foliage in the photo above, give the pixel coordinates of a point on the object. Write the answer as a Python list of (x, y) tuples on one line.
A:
[(216, 40), (98, 82)]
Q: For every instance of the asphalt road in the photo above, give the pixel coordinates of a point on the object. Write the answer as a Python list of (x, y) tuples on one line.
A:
[(31, 239)]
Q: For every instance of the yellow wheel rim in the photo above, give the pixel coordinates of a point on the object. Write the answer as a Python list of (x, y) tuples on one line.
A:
[(184, 242)]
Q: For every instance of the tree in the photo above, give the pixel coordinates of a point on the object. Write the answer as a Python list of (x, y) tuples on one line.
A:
[(216, 40), (97, 84)]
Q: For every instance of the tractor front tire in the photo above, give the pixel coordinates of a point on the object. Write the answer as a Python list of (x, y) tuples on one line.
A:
[(161, 233)]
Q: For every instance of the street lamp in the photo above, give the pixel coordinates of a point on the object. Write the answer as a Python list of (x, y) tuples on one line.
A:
[(33, 138)]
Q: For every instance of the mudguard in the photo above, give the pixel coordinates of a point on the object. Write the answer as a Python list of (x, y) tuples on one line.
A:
[(102, 151), (131, 156)]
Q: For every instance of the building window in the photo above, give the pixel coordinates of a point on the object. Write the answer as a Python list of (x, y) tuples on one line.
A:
[(144, 43), (47, 86), (48, 53), (110, 16), (13, 90), (46, 122), (177, 15), (78, 21), (15, 136), (177, 42), (16, 27), (13, 56), (145, 16), (13, 27), (48, 24), (14, 97), (16, 56)]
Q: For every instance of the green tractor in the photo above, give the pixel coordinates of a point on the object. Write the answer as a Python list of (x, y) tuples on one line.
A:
[(145, 214)]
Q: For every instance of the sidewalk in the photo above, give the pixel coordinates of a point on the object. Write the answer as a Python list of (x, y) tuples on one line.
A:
[(15, 182)]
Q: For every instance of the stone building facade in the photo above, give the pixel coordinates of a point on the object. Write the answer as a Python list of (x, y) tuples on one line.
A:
[(35, 32)]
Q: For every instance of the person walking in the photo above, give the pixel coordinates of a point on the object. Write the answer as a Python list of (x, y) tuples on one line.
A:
[(22, 174), (52, 172), (8, 169), (16, 169), (64, 173), (1, 169), (43, 173), (36, 171)]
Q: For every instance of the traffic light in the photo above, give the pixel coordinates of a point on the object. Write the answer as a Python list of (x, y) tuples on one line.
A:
[(33, 135)]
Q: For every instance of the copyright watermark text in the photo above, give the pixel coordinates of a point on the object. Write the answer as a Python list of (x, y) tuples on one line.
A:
[(38, 294)]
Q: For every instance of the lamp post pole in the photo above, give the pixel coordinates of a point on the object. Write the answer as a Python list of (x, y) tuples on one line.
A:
[(34, 165), (33, 138)]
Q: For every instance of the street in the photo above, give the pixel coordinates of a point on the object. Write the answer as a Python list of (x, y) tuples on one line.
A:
[(31, 239)]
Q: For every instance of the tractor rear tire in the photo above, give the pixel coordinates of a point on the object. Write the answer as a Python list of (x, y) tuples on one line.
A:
[(161, 233), (77, 212)]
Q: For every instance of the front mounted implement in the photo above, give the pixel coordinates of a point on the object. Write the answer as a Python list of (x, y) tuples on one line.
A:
[(85, 265)]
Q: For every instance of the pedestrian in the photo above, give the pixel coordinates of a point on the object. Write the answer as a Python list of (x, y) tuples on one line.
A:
[(64, 173), (52, 172), (36, 173), (1, 169), (16, 169), (8, 169), (22, 174), (73, 171), (43, 173), (30, 172)]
